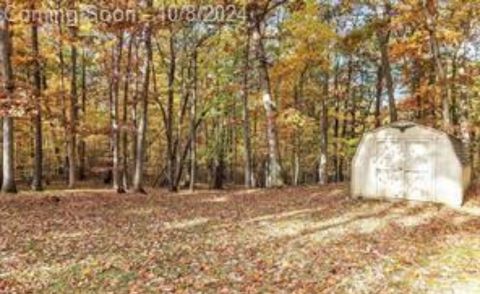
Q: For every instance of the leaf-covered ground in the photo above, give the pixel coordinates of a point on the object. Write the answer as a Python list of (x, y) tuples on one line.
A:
[(305, 240)]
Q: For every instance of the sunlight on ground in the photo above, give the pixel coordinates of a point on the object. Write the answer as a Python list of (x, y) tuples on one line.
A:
[(473, 211), (455, 269), (330, 193), (281, 215), (185, 224), (419, 219), (139, 211), (217, 199), (72, 235), (336, 192), (80, 191), (247, 192), (57, 275), (329, 228), (268, 242), (194, 193)]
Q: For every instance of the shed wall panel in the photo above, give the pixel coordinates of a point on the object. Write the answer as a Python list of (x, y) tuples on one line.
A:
[(429, 170)]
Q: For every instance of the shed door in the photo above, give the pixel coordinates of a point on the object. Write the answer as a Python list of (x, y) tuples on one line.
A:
[(418, 170), (404, 169), (390, 181)]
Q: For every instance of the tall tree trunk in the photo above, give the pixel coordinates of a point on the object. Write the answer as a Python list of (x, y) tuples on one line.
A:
[(336, 125), (219, 157), (170, 116), (179, 157), (8, 184), (464, 119), (356, 96), (416, 83), (442, 82), (82, 148), (454, 92), (37, 183), (142, 128), (384, 38), (117, 58), (274, 176), (296, 136), (378, 96), (193, 119), (431, 23), (63, 100), (72, 136), (124, 134), (345, 122), (248, 169), (231, 140), (134, 113), (323, 160)]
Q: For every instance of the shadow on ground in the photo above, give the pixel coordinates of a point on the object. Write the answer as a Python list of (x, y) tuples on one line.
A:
[(297, 240)]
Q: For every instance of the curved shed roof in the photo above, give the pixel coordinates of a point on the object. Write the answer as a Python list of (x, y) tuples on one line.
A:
[(457, 144)]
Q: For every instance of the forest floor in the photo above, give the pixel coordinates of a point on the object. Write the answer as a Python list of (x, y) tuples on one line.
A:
[(303, 240)]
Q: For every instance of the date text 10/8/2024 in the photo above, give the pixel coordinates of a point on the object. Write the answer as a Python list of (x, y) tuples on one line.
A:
[(204, 13)]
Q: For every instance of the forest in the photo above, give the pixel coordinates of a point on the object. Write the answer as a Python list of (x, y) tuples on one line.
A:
[(262, 94), (221, 111)]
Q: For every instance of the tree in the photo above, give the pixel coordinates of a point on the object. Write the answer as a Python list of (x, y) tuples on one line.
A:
[(37, 183), (8, 185), (248, 168), (430, 13), (82, 148), (193, 119), (115, 117), (73, 111), (280, 98), (124, 135), (142, 128), (383, 35), (323, 160), (274, 169)]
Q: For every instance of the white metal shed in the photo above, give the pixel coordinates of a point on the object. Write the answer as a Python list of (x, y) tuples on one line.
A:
[(405, 160)]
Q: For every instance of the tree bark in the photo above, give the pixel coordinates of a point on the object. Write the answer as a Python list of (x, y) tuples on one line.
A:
[(296, 137), (431, 24), (117, 58), (8, 184), (323, 160), (464, 119), (336, 124), (378, 96), (274, 175), (72, 136), (134, 113), (246, 116), (124, 133), (37, 183), (345, 122), (63, 100), (142, 128), (218, 168), (416, 82), (454, 116), (170, 116), (384, 38), (193, 119), (82, 149)]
